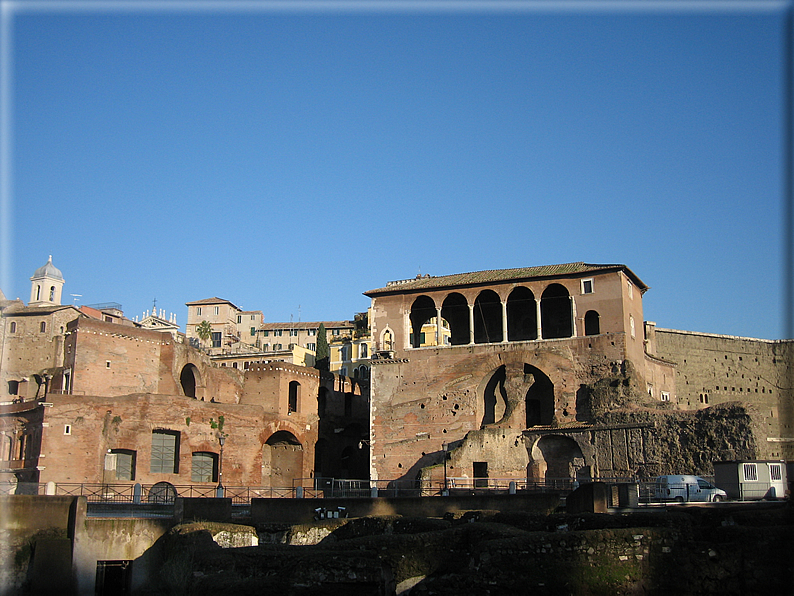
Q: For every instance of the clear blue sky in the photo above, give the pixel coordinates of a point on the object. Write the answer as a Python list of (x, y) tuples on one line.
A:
[(290, 160)]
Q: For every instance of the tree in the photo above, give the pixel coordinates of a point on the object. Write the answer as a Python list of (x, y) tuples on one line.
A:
[(204, 330), (322, 355)]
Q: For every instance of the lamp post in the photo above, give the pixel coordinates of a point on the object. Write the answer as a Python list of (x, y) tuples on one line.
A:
[(221, 440), (445, 450)]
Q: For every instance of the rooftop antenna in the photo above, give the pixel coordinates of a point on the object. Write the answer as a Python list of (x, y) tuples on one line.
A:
[(75, 297)]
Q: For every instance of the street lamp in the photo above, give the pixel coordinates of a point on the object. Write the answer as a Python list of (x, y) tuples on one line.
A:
[(445, 450), (221, 440)]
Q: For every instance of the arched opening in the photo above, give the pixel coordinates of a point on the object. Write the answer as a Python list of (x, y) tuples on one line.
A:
[(539, 399), (294, 396), (455, 310), (555, 312), (522, 317), (189, 379), (322, 401), (487, 318), (495, 397), (321, 460), (282, 460), (592, 323), (422, 310), (557, 460)]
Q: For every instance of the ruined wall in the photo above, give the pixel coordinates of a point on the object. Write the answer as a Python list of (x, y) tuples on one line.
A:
[(98, 424), (437, 395), (715, 369), (108, 359), (268, 386)]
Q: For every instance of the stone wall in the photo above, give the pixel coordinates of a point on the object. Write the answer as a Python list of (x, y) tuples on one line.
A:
[(714, 369)]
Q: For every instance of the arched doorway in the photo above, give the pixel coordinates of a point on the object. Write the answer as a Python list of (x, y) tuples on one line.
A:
[(190, 380), (556, 459), (282, 459)]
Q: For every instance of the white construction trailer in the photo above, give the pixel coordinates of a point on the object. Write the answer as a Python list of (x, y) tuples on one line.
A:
[(749, 480)]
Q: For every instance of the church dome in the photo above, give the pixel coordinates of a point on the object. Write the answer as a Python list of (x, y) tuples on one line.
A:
[(48, 270)]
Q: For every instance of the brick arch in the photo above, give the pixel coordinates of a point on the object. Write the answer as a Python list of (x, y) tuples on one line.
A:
[(190, 381), (422, 310), (556, 458)]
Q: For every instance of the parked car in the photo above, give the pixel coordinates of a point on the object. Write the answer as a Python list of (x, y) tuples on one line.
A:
[(685, 488)]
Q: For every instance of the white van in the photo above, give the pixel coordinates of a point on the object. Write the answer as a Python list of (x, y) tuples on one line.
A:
[(685, 488)]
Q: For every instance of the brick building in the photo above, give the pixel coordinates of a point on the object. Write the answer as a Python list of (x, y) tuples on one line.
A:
[(545, 375)]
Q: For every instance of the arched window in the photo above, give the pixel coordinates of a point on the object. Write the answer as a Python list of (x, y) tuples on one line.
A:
[(13, 327), (555, 312), (522, 316), (422, 311), (455, 310), (294, 395), (52, 294), (487, 318), (43, 327), (592, 323)]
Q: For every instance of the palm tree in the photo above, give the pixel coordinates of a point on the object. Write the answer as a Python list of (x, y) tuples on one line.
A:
[(204, 330)]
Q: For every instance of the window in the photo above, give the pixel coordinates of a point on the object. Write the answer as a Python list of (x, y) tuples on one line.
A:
[(52, 294), (266, 333), (198, 311), (362, 351), (239, 318), (13, 387), (704, 398), (38, 292), (631, 289), (775, 472), (294, 394), (107, 363), (165, 452), (750, 471), (204, 467), (265, 347), (125, 464), (253, 317), (290, 346), (336, 331), (587, 286), (43, 327), (650, 389), (13, 328), (217, 310), (665, 396), (311, 346), (293, 333), (312, 332), (277, 347), (216, 339), (631, 326), (277, 332), (67, 429), (253, 331)]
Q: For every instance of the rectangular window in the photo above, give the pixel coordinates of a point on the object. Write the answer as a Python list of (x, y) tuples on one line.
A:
[(750, 471), (239, 318), (265, 347), (107, 363), (276, 347), (587, 286), (631, 289), (293, 333), (165, 452), (253, 331), (665, 396), (204, 467), (216, 339), (253, 317), (125, 464), (311, 346), (775, 472), (43, 327), (67, 429), (266, 333), (277, 332), (217, 310), (336, 331), (312, 332), (198, 311)]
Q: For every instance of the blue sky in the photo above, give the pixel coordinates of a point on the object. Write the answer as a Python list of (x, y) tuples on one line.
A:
[(289, 160)]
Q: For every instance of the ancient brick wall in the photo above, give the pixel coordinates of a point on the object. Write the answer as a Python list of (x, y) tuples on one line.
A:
[(715, 369), (437, 395), (81, 429)]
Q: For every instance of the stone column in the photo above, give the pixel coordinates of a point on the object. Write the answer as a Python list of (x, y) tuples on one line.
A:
[(573, 316), (438, 325), (504, 322), (537, 316), (471, 324)]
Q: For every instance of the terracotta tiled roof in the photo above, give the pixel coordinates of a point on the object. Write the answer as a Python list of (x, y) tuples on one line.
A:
[(211, 301), (501, 275)]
